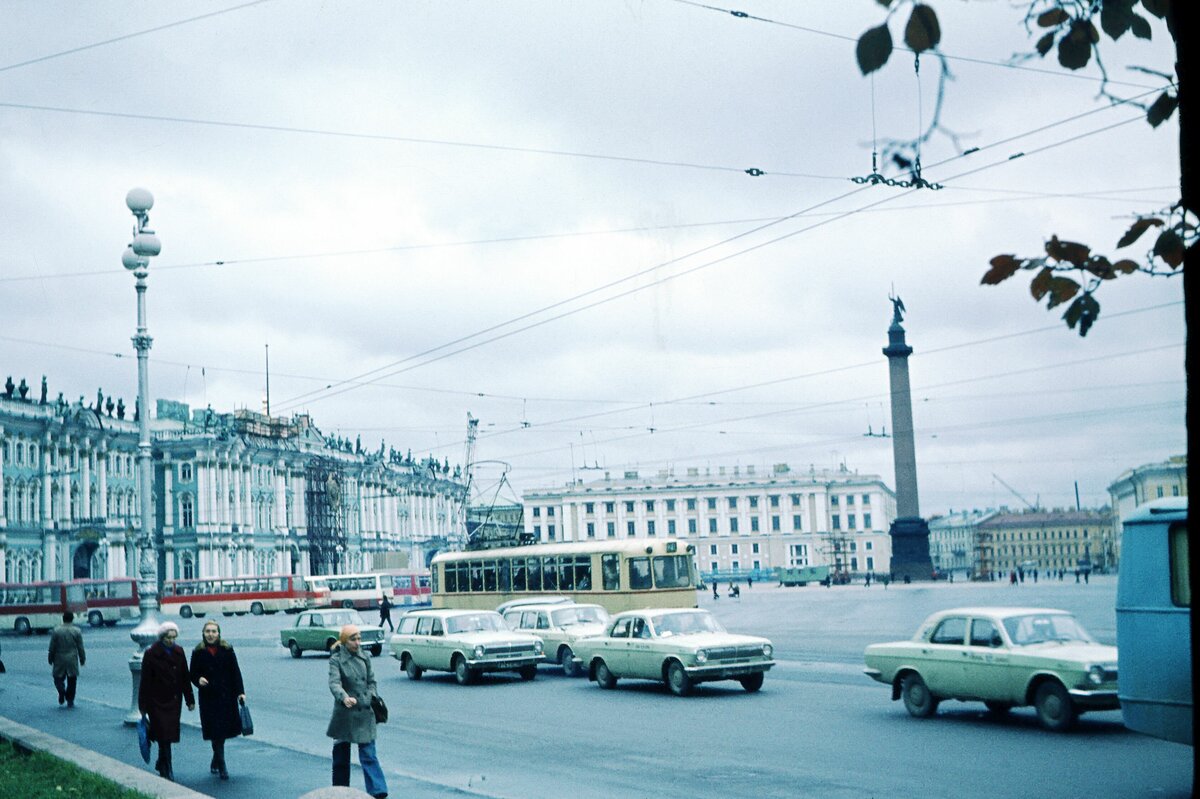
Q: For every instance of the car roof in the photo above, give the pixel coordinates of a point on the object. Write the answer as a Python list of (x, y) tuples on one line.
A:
[(446, 612), (1001, 611), (658, 612)]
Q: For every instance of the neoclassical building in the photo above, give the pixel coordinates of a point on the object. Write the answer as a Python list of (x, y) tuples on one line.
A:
[(234, 494), (740, 519)]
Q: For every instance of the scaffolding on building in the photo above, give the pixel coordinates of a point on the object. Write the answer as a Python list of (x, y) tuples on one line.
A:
[(324, 495), (837, 555)]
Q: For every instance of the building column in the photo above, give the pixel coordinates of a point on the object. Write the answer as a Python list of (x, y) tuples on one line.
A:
[(85, 483), (102, 480), (280, 520), (3, 515)]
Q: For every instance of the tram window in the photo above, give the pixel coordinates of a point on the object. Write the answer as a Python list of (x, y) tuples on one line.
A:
[(609, 566), (503, 574), (1181, 585), (476, 570), (518, 574), (566, 575), (639, 574), (583, 572), (489, 575), (671, 571), (550, 574), (535, 573)]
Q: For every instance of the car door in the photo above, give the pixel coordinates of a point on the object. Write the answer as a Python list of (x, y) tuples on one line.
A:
[(942, 656), (989, 672), (614, 647), (422, 648), (641, 658)]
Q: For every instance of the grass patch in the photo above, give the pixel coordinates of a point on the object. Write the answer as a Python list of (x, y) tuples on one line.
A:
[(41, 776)]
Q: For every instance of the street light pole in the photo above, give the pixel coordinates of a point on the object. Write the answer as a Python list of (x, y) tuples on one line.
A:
[(136, 259)]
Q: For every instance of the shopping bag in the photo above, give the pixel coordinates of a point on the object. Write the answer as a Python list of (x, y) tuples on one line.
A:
[(2, 669), (380, 709), (144, 738), (244, 715)]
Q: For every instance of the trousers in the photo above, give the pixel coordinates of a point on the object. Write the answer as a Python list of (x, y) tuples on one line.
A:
[(66, 687), (373, 778)]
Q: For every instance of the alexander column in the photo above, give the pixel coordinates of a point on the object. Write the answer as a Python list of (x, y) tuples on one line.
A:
[(909, 532)]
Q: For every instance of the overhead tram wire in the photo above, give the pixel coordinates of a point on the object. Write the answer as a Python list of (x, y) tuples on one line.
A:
[(315, 396)]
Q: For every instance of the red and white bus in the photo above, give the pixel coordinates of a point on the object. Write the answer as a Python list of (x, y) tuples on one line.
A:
[(25, 607), (362, 591), (411, 587), (261, 594), (110, 601)]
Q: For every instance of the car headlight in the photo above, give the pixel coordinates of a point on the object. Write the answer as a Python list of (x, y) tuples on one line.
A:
[(767, 650), (479, 651), (701, 655), (1096, 675), (537, 647)]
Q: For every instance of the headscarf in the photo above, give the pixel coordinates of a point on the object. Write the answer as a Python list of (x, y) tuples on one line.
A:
[(166, 627), (346, 632)]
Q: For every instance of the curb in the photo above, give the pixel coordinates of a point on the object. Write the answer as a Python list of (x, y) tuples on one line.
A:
[(30, 740)]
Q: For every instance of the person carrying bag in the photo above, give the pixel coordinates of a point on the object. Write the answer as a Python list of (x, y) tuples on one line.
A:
[(352, 683)]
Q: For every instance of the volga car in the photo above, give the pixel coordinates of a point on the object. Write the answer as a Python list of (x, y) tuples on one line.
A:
[(559, 626), (318, 630), (465, 642), (1003, 657), (680, 646)]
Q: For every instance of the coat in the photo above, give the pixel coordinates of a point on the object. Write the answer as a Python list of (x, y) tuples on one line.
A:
[(66, 651), (164, 684), (219, 717), (351, 675)]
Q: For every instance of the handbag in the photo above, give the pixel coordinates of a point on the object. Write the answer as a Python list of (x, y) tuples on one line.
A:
[(380, 709), (143, 733), (244, 716), (2, 669)]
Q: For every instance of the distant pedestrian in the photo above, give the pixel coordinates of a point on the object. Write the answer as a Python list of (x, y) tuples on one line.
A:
[(1012, 577), (715, 594), (65, 657), (868, 580), (214, 670), (164, 687), (749, 582), (385, 613), (1077, 575), (1086, 572), (352, 683), (1035, 575)]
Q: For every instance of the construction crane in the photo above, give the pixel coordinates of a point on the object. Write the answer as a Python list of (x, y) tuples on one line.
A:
[(1028, 504)]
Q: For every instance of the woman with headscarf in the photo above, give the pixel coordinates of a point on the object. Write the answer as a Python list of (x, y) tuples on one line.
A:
[(352, 683), (215, 672), (164, 686)]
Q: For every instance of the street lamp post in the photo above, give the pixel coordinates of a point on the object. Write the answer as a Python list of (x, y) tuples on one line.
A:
[(136, 259)]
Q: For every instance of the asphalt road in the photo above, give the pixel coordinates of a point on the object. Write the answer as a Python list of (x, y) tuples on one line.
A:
[(818, 727)]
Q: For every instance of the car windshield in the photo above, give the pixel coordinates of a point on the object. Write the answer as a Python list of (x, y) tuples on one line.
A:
[(341, 618), (474, 623), (699, 621), (1038, 628), (580, 614)]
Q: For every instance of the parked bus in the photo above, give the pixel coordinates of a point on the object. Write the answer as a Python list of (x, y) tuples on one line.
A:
[(362, 591), (1154, 608), (290, 593), (411, 587), (109, 601), (25, 607), (620, 574)]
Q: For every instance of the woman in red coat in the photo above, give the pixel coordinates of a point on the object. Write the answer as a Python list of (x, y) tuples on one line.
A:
[(164, 686), (215, 670)]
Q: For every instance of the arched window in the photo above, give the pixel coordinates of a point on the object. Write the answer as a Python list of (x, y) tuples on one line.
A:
[(185, 472), (187, 567)]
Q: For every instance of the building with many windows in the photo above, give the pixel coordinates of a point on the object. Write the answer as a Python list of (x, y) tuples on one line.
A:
[(740, 520), (955, 544), (237, 493), (1142, 484), (1048, 541)]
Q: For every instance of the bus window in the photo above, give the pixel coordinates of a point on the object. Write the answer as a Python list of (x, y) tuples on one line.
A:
[(550, 573), (639, 574), (1181, 586), (503, 568), (671, 571), (518, 574), (583, 573), (489, 575), (535, 573), (476, 571), (566, 573), (609, 565)]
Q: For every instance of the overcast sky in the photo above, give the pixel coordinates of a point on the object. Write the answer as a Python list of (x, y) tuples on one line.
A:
[(537, 212)]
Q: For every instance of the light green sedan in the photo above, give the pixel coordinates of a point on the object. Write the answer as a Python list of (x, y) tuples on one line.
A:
[(318, 630), (1003, 657), (679, 646), (560, 626), (464, 642)]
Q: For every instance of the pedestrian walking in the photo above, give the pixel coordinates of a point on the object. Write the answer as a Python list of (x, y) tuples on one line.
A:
[(715, 594), (352, 683), (65, 657), (749, 582), (164, 687), (215, 672), (385, 613), (1012, 578)]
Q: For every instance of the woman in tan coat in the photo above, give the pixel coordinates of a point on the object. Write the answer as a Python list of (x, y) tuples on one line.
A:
[(352, 683)]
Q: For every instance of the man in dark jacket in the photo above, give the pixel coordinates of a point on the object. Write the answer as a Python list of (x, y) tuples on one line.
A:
[(65, 657)]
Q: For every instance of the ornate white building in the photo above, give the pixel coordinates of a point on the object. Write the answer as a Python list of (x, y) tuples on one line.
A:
[(234, 494), (743, 522)]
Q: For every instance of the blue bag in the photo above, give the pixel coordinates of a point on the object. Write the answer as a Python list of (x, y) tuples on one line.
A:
[(244, 717), (144, 738)]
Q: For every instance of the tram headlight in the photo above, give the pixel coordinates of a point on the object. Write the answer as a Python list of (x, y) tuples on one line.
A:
[(701, 655), (480, 651)]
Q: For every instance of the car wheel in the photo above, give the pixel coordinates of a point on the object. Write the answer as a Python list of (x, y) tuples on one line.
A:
[(96, 618), (412, 669), (1055, 709), (566, 659), (347, 603), (462, 672), (257, 609), (678, 680), (752, 682), (22, 626), (998, 708), (527, 672), (294, 648), (917, 700), (186, 611), (377, 650), (604, 677)]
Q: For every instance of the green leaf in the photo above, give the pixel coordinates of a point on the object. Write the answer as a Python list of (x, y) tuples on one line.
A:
[(1072, 251), (1083, 312), (1055, 16), (1169, 247), (1140, 27), (1162, 108), (1075, 49), (922, 32), (1061, 290), (1157, 7), (1003, 267), (1045, 43), (1137, 229), (874, 48)]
